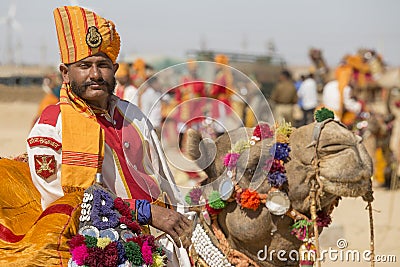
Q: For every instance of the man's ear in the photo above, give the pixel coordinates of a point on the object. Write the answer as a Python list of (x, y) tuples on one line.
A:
[(64, 73), (115, 67)]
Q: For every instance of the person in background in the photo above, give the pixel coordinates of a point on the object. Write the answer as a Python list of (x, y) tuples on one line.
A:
[(308, 97), (338, 96), (189, 100), (298, 115), (93, 132), (139, 73), (125, 89), (51, 86), (221, 90), (150, 102), (284, 96), (297, 84)]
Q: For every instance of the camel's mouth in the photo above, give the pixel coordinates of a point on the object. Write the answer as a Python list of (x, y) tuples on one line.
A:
[(353, 188)]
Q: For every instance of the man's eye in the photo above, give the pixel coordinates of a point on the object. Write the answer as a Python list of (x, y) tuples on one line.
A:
[(105, 66)]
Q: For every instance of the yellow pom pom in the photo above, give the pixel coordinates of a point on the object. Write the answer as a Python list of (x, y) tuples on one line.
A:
[(284, 128), (158, 261), (102, 242), (240, 146)]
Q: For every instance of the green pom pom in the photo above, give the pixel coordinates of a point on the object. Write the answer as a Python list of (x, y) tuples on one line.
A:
[(188, 199), (215, 201), (133, 253), (160, 250), (301, 223), (324, 114), (90, 241)]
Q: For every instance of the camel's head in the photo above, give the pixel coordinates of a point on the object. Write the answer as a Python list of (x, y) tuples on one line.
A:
[(344, 166), (344, 170)]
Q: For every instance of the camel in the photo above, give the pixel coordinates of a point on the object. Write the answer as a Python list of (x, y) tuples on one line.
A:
[(367, 66), (345, 169)]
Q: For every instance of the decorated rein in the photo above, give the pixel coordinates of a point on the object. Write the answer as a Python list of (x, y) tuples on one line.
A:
[(274, 168), (324, 116)]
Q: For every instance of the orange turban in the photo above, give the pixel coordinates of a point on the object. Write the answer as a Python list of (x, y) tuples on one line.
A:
[(123, 70), (191, 64), (139, 65), (82, 33), (222, 59)]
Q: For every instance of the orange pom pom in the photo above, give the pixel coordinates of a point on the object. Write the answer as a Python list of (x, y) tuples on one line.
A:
[(250, 199)]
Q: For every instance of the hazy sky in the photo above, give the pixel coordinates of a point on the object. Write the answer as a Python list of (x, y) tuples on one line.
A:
[(172, 27)]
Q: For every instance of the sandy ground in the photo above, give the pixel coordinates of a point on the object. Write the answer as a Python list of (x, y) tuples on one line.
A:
[(16, 118), (350, 219)]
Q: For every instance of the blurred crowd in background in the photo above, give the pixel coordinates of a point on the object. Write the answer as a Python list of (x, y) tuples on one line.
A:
[(358, 90)]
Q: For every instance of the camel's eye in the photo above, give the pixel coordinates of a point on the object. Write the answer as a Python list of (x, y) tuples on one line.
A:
[(250, 171), (333, 148)]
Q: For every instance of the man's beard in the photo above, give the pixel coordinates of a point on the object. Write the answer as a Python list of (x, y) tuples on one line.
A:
[(80, 89)]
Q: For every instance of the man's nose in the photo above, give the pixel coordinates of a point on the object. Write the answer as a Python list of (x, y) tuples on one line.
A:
[(95, 73)]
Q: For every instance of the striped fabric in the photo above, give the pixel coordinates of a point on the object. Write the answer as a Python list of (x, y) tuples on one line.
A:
[(68, 97), (82, 141), (72, 26), (81, 159)]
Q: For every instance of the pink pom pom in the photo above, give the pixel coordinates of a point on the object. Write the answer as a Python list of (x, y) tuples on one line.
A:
[(231, 159), (147, 254), (79, 254)]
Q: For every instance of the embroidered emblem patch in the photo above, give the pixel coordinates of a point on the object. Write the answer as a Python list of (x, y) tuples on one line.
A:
[(93, 37), (44, 141), (45, 165)]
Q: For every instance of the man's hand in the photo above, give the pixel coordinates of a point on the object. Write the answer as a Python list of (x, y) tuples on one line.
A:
[(173, 223)]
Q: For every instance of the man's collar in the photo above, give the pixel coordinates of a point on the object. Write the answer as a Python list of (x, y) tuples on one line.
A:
[(112, 102)]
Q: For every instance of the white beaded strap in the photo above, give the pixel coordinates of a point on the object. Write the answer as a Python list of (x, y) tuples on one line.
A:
[(207, 250)]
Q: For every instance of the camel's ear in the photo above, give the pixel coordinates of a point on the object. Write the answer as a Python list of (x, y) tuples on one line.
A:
[(193, 139), (202, 151)]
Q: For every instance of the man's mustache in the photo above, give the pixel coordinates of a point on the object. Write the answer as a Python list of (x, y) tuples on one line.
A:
[(87, 84)]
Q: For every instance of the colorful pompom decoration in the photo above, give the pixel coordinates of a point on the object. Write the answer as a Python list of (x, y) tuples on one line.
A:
[(323, 219), (277, 179), (215, 201), (250, 199), (263, 131), (285, 128), (231, 159), (193, 196), (324, 114), (300, 229), (280, 151), (112, 236)]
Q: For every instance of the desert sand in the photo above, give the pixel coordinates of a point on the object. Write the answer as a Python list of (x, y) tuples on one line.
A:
[(350, 220)]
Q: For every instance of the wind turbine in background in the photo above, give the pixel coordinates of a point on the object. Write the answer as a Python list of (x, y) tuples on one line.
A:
[(12, 25)]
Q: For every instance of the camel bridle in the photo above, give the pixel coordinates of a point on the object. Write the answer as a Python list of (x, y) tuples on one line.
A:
[(316, 191)]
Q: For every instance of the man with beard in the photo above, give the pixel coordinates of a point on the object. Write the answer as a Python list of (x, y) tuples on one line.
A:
[(93, 133)]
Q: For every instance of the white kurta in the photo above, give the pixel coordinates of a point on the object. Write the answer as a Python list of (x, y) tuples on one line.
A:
[(154, 162), (331, 98)]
